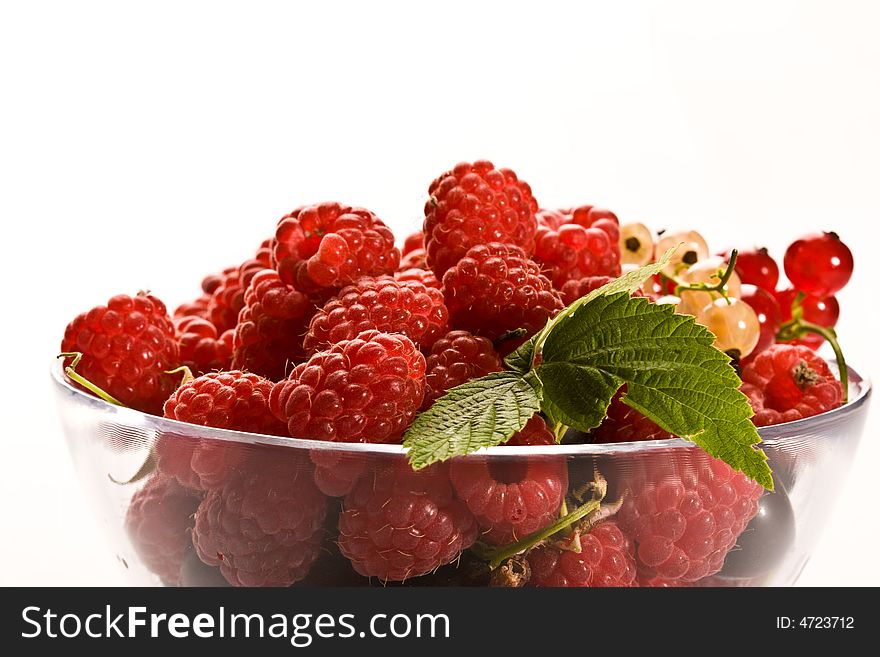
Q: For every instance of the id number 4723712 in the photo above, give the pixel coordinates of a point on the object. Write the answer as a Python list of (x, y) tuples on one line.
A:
[(815, 623)]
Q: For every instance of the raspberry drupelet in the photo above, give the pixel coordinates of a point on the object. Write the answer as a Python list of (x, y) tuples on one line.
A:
[(624, 424), (789, 382), (157, 522), (512, 497), (476, 204), (331, 245), (127, 347), (265, 525), (456, 358), (224, 400), (397, 524), (385, 304), (424, 276), (495, 289), (606, 559)]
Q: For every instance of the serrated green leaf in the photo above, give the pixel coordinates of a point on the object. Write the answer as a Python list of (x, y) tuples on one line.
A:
[(481, 413), (672, 372), (521, 360)]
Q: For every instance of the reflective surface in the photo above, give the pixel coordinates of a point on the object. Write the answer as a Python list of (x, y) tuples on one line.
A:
[(296, 541)]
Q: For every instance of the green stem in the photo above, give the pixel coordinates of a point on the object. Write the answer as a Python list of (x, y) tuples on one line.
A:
[(718, 287), (496, 557), (187, 374), (70, 371)]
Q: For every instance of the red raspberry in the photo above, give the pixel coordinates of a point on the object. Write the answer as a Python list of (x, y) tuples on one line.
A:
[(332, 245), (417, 259), (336, 473), (401, 524), (363, 390), (196, 308), (457, 358), (212, 281), (271, 326), (201, 349), (224, 400), (685, 512), (623, 424), (789, 382), (512, 497), (476, 204), (384, 304), (127, 347), (264, 527), (590, 216), (424, 276), (157, 523), (605, 559), (580, 249), (413, 242), (227, 300), (552, 219), (495, 288)]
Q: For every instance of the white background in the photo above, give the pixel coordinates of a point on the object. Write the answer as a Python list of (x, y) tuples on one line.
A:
[(142, 147)]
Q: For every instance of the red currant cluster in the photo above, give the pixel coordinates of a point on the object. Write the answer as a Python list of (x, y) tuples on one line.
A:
[(741, 305)]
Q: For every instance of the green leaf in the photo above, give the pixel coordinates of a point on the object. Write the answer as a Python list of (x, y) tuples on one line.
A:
[(673, 373), (521, 360), (481, 413)]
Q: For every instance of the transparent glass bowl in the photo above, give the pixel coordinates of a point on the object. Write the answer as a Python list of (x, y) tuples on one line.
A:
[(111, 445)]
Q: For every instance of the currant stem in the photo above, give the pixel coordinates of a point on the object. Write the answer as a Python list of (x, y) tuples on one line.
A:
[(705, 287), (70, 371), (496, 557)]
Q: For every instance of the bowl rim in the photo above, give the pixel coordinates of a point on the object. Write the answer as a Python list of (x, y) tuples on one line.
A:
[(860, 392)]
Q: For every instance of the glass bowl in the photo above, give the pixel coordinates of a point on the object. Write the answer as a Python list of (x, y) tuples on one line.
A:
[(289, 533)]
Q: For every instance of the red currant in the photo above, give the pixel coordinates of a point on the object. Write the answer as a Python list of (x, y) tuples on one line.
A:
[(757, 267), (818, 264), (767, 310), (823, 312)]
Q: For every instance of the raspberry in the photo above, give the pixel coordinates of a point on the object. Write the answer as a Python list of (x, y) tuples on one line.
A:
[(271, 326), (196, 308), (495, 289), (127, 347), (685, 512), (586, 245), (332, 245), (514, 496), (264, 527), (227, 300), (157, 522), (605, 559), (789, 382), (457, 358), (212, 281), (623, 424), (336, 473), (201, 349), (476, 204), (552, 219), (413, 242), (384, 304), (417, 259), (424, 276), (401, 524), (224, 400), (363, 390)]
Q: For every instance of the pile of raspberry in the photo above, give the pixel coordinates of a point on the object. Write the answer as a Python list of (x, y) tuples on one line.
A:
[(330, 333)]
